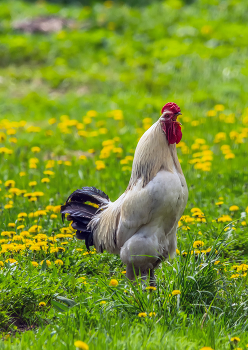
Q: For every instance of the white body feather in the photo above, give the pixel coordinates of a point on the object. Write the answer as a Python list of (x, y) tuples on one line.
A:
[(141, 224)]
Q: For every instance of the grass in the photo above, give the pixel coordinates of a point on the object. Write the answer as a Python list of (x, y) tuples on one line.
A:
[(73, 105)]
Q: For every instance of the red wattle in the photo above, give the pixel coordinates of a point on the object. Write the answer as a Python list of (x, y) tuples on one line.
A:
[(173, 132), (178, 133)]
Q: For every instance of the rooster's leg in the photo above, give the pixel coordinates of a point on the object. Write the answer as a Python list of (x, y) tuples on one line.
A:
[(152, 278), (144, 276), (132, 272)]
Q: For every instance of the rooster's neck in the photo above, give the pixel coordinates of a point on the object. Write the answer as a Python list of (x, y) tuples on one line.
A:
[(153, 153)]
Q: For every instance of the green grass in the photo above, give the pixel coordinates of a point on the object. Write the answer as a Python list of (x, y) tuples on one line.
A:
[(84, 96)]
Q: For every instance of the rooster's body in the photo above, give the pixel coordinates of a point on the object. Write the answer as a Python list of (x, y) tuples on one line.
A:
[(141, 224)]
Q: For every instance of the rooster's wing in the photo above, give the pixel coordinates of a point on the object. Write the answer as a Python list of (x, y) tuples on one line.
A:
[(136, 211)]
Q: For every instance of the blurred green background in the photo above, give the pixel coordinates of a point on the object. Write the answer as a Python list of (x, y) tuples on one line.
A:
[(80, 82), (128, 55)]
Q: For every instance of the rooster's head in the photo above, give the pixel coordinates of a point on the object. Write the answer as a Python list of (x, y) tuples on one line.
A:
[(169, 123)]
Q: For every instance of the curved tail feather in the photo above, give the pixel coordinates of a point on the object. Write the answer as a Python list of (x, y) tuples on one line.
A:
[(81, 213)]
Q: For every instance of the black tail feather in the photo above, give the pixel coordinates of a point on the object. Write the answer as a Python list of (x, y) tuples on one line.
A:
[(78, 209), (78, 224), (88, 194), (80, 213)]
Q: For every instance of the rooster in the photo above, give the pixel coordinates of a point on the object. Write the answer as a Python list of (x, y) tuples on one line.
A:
[(141, 224)]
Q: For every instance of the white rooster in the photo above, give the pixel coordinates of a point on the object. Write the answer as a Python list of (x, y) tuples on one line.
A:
[(141, 224)]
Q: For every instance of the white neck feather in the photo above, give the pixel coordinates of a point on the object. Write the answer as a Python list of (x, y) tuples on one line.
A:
[(153, 153)]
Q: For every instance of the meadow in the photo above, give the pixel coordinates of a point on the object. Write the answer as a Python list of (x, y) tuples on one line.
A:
[(73, 104)]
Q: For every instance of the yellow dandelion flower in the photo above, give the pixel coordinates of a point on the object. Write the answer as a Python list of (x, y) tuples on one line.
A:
[(126, 168), (234, 208), (34, 263), (9, 183), (113, 283), (48, 262), (8, 206), (176, 292), (11, 224), (61, 249), (53, 216), (152, 314), (142, 314), (45, 180), (11, 261), (81, 345), (82, 157), (50, 164), (15, 191), (58, 262), (57, 209), (52, 121), (235, 339), (124, 161), (224, 218), (91, 113), (49, 207), (230, 155), (195, 210), (42, 304), (34, 228), (151, 288), (117, 150), (198, 244), (108, 142), (67, 163), (22, 215), (2, 136), (6, 234), (32, 165), (81, 278), (5, 150), (102, 302), (48, 172), (54, 250), (219, 108), (99, 165), (221, 136), (35, 149), (211, 113)]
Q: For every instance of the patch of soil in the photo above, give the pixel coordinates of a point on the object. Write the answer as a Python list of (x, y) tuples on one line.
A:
[(17, 325), (44, 24)]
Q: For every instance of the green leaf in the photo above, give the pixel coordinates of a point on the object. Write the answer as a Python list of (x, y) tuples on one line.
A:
[(59, 307), (69, 302)]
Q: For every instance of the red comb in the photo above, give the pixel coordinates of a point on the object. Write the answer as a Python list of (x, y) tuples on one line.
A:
[(171, 107)]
